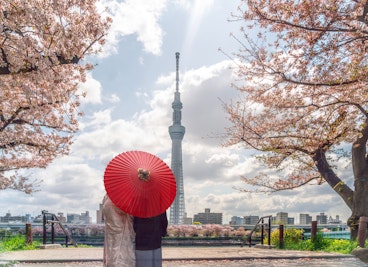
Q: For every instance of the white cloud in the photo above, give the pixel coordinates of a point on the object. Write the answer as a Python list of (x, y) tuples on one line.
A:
[(97, 119), (138, 17), (114, 98), (93, 90), (223, 160)]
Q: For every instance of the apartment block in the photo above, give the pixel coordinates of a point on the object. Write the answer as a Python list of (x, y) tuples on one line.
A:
[(208, 217)]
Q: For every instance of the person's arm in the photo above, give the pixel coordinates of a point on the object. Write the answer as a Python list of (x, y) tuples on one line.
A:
[(164, 224)]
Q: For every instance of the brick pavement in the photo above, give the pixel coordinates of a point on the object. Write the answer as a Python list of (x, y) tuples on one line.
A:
[(169, 254)]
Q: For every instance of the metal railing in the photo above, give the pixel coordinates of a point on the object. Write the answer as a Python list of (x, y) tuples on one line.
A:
[(264, 227), (52, 219)]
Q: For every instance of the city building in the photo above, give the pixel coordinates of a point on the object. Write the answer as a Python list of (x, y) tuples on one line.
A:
[(82, 218), (334, 221), (321, 218), (99, 215), (177, 132), (291, 221), (281, 218), (305, 218), (73, 218), (251, 220), (8, 218), (235, 220), (38, 219), (187, 220), (208, 217)]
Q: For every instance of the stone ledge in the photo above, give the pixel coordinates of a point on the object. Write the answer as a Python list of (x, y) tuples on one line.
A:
[(264, 246), (49, 246)]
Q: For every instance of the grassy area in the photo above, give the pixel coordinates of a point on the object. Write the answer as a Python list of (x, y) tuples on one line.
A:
[(17, 243), (293, 241), (323, 244)]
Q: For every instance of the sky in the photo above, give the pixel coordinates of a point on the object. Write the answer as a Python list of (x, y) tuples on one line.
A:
[(128, 107)]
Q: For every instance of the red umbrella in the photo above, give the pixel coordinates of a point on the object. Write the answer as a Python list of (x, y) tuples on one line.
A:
[(140, 183)]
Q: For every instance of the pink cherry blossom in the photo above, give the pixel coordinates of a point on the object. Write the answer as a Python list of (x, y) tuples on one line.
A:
[(303, 75), (43, 48)]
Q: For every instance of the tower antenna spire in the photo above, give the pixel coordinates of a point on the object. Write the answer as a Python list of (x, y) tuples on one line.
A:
[(177, 54)]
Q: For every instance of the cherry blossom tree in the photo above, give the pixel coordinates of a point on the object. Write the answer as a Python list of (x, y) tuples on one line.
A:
[(43, 45), (304, 72)]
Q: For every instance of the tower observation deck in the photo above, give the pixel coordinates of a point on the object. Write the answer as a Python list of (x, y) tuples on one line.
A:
[(177, 132)]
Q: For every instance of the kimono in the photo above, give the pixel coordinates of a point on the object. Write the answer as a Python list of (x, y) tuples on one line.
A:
[(119, 248), (148, 240)]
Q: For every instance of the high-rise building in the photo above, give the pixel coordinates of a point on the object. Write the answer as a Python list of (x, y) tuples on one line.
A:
[(82, 218), (251, 220), (99, 215), (8, 218), (305, 218), (334, 221), (72, 218), (187, 220), (281, 218), (235, 220), (208, 217), (321, 218), (177, 132)]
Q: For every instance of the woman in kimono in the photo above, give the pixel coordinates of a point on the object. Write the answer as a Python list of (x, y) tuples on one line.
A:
[(119, 249), (148, 240)]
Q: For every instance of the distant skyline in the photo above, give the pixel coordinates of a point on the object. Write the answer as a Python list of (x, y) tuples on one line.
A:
[(128, 107), (91, 213)]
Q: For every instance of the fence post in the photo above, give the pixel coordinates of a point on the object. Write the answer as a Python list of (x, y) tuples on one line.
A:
[(362, 231), (44, 228), (314, 230), (281, 236), (52, 233), (262, 231), (29, 234), (269, 231)]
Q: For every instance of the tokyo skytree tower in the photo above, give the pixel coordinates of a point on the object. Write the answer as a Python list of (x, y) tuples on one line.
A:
[(177, 131)]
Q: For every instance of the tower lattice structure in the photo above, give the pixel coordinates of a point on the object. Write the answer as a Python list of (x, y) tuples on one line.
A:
[(177, 132)]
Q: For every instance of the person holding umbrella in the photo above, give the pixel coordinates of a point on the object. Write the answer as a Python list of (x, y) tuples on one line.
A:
[(119, 240), (148, 240), (143, 186)]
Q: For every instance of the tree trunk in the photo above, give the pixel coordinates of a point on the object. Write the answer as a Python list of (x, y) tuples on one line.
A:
[(360, 170), (340, 188), (353, 223), (324, 168), (360, 204)]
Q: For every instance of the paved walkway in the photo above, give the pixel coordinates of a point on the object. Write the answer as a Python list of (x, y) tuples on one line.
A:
[(169, 254)]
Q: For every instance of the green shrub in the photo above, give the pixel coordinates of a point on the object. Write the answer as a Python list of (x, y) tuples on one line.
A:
[(340, 246), (328, 245), (293, 240), (291, 236), (17, 242), (318, 242)]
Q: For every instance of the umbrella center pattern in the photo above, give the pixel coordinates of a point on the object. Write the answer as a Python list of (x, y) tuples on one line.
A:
[(143, 174)]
